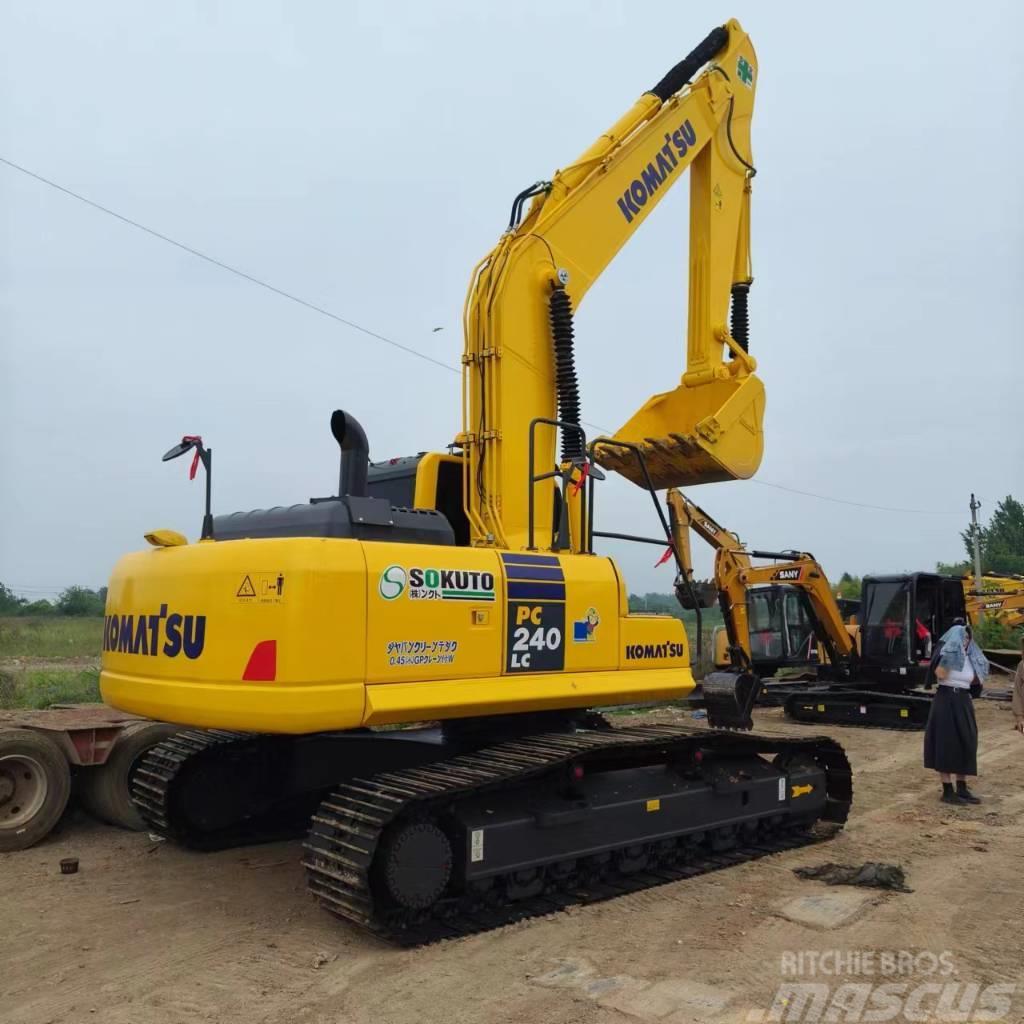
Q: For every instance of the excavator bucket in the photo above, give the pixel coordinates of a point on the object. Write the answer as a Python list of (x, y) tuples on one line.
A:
[(695, 434), (699, 594), (729, 699)]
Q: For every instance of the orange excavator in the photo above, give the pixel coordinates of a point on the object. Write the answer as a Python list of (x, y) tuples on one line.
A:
[(782, 617)]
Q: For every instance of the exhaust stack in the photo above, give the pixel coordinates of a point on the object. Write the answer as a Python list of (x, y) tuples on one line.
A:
[(355, 453)]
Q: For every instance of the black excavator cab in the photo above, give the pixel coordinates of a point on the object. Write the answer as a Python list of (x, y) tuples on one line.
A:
[(902, 617)]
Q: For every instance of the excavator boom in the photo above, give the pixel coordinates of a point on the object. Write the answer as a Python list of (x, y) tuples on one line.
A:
[(519, 360)]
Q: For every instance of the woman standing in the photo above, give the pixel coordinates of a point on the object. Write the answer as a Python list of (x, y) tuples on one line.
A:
[(951, 737)]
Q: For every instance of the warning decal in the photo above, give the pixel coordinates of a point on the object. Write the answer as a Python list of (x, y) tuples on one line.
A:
[(261, 588)]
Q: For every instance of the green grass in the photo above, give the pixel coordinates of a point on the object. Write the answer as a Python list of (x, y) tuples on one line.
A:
[(46, 638), (38, 688), (51, 636)]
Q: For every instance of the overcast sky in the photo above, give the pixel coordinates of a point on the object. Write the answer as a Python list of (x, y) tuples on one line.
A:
[(364, 156)]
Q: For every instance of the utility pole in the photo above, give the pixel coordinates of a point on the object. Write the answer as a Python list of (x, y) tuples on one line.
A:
[(975, 505)]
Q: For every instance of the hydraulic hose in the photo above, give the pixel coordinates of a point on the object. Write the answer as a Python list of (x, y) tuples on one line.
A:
[(739, 316), (716, 41), (567, 386)]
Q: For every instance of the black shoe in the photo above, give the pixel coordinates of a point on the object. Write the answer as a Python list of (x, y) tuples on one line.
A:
[(952, 798), (966, 796)]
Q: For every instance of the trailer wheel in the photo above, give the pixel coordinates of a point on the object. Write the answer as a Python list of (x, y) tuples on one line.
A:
[(106, 788), (35, 783)]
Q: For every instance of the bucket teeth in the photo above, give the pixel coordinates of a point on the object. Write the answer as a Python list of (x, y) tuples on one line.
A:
[(672, 461)]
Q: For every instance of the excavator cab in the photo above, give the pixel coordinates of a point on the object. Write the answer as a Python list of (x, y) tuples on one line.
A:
[(783, 631), (781, 625), (902, 617)]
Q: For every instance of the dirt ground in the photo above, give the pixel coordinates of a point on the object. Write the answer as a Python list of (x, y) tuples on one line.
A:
[(147, 933)]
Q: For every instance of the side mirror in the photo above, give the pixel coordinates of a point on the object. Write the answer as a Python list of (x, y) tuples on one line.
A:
[(189, 443), (185, 445)]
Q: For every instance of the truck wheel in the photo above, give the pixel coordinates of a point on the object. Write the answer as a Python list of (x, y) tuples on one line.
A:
[(35, 783), (106, 788)]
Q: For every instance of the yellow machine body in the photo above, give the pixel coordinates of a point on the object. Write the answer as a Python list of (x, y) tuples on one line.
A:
[(300, 635), (1001, 597), (995, 583)]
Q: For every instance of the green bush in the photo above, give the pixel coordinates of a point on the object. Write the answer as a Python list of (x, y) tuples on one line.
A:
[(10, 603), (42, 607), (992, 633), (81, 601)]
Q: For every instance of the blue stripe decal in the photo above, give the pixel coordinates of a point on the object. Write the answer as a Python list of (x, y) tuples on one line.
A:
[(536, 591), (535, 572), (515, 558)]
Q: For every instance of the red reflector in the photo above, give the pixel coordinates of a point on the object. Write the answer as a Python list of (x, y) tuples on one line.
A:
[(577, 772), (262, 667), (698, 755)]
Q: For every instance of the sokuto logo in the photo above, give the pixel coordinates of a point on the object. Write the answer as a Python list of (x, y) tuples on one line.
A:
[(392, 582)]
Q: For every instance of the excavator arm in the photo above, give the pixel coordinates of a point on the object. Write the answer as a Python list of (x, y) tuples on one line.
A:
[(519, 376), (1006, 607)]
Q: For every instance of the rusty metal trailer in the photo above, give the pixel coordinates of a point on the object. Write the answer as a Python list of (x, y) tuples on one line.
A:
[(83, 750)]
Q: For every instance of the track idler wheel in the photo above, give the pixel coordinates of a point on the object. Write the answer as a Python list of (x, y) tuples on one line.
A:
[(415, 864)]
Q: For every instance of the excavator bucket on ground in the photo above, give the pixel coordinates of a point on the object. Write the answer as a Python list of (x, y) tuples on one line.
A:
[(729, 699), (694, 434)]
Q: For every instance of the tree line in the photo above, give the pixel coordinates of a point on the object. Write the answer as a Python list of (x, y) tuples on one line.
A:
[(76, 601)]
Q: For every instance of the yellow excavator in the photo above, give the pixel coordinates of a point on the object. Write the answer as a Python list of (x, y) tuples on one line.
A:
[(459, 594), (782, 617), (1001, 597), (995, 583), (777, 615)]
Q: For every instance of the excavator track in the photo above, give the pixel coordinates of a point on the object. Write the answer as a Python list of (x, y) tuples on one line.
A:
[(205, 757), (863, 709), (353, 869)]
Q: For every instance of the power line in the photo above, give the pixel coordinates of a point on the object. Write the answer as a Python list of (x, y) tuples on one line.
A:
[(235, 270), (859, 505), (227, 266), (374, 334)]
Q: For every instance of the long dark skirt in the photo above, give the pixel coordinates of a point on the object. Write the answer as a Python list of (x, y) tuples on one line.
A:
[(951, 736)]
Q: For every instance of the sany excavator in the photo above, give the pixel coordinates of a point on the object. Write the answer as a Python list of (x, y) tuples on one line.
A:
[(462, 589), (995, 583), (1007, 609), (783, 615), (1001, 597)]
